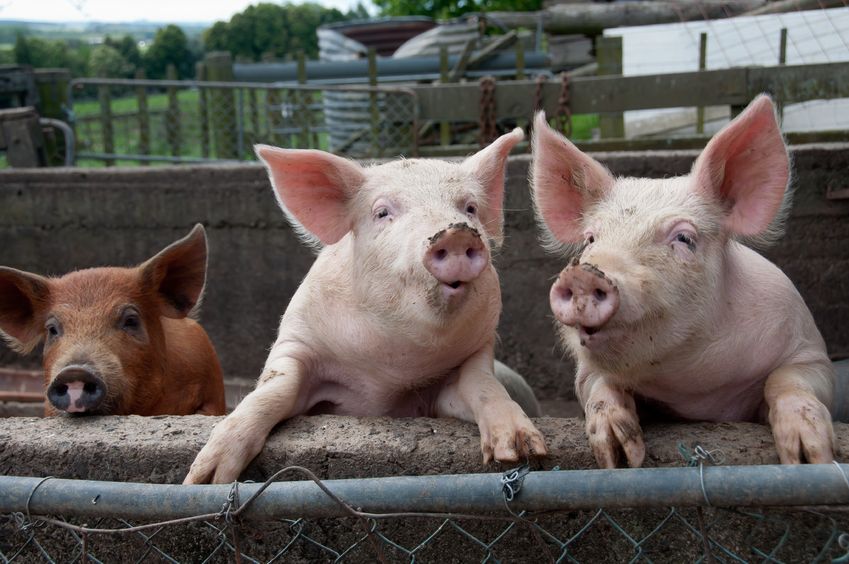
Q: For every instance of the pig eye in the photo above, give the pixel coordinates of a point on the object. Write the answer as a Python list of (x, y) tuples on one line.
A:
[(590, 238), (53, 328), (381, 212), (130, 321), (471, 209)]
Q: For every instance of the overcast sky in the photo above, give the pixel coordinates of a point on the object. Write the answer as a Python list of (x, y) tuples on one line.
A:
[(134, 10)]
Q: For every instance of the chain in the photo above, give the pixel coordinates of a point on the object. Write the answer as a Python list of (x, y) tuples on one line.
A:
[(564, 112), (487, 111)]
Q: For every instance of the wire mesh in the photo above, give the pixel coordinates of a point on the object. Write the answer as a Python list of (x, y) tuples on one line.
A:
[(142, 121), (601, 535)]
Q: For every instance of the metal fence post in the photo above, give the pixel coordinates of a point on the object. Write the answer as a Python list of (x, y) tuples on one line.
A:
[(304, 99), (444, 126), (700, 111)]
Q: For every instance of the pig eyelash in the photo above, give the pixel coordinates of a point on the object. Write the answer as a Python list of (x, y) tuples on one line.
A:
[(53, 328), (686, 239)]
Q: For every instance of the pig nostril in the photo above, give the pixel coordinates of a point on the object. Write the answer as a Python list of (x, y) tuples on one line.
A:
[(440, 254), (90, 387), (471, 253), (600, 295), (60, 390)]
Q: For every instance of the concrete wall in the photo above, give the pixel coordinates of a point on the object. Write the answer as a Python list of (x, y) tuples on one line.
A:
[(160, 450), (52, 221)]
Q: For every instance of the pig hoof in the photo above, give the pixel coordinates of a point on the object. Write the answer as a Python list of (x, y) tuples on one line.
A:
[(613, 429), (230, 449), (801, 426), (509, 436)]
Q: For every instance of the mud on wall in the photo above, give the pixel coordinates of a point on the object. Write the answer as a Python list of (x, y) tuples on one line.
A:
[(53, 221)]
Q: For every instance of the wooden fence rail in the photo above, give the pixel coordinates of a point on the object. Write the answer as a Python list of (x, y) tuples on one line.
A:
[(606, 94)]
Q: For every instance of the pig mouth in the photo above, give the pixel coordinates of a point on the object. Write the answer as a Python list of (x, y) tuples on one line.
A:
[(592, 337), (453, 289)]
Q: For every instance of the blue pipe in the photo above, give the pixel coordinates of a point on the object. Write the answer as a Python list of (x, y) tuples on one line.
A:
[(822, 484)]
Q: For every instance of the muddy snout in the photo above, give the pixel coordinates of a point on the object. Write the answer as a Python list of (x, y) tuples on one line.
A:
[(584, 297), (76, 389), (456, 255)]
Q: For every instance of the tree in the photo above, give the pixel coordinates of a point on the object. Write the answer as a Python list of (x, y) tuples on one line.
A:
[(274, 30), (128, 47), (169, 46), (108, 62), (44, 53), (443, 9)]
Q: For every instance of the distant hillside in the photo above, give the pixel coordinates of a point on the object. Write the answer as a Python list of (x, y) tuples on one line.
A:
[(90, 32)]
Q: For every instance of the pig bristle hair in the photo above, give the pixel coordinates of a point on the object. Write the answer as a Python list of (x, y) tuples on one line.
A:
[(775, 229)]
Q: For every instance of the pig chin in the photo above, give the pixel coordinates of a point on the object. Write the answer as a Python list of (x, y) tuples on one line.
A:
[(448, 298)]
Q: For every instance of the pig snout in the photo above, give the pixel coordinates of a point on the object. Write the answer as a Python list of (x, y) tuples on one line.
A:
[(76, 389), (456, 255), (584, 297)]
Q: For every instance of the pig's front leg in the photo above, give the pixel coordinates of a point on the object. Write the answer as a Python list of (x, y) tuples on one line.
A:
[(237, 439), (796, 396), (612, 422), (474, 394)]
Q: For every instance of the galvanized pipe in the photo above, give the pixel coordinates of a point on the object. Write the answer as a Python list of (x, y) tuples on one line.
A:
[(729, 486)]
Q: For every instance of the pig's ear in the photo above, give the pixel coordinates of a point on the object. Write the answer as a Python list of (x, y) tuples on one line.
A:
[(746, 167), (313, 188), (178, 274), (24, 302), (487, 166), (564, 182)]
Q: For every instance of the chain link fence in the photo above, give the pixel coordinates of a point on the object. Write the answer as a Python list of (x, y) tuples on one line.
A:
[(483, 518), (142, 121)]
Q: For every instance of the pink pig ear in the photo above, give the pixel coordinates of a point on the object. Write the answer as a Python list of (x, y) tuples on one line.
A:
[(487, 165), (564, 182), (745, 165), (313, 188)]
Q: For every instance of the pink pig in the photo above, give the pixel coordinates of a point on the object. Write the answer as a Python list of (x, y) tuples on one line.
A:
[(665, 304), (398, 314)]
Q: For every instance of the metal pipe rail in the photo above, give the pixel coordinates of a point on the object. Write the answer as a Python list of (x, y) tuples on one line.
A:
[(726, 486)]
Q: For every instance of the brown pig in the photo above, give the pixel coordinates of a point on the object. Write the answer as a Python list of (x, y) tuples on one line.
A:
[(663, 302), (119, 341), (398, 314)]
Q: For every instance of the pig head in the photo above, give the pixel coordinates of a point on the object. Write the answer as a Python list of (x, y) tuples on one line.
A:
[(397, 316), (119, 341), (662, 301)]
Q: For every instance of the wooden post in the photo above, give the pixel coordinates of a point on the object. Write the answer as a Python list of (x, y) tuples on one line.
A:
[(21, 137), (172, 115), (108, 135), (520, 59), (275, 117), (222, 108), (144, 118), (609, 55), (253, 112), (304, 100), (782, 60), (203, 110), (375, 111), (700, 111), (52, 86), (444, 126)]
